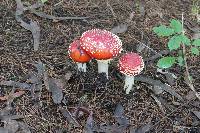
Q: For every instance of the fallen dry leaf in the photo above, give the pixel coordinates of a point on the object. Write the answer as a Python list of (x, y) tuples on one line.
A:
[(69, 117), (32, 26), (24, 86), (12, 95), (197, 113), (119, 115), (68, 75), (165, 86), (89, 124), (119, 29), (56, 90), (142, 129)]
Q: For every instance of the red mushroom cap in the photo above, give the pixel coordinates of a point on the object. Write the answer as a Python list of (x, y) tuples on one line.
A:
[(77, 54), (101, 44), (131, 64)]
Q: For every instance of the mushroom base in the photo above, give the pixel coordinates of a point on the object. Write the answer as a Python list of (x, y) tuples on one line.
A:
[(81, 67), (103, 66), (129, 82)]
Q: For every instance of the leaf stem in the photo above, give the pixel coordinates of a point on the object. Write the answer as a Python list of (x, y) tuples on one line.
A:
[(187, 74)]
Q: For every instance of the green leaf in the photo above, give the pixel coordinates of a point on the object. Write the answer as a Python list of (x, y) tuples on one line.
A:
[(166, 62), (176, 25), (185, 40), (180, 60), (43, 1), (195, 51), (162, 30), (196, 42), (174, 43)]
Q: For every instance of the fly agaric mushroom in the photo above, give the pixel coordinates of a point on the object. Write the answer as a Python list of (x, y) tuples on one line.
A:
[(130, 64), (78, 55), (101, 45)]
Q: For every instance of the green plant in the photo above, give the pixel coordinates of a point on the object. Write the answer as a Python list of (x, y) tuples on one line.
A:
[(195, 7), (176, 39), (43, 1)]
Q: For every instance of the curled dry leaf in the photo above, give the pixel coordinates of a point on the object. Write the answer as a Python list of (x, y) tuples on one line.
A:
[(35, 30), (33, 26)]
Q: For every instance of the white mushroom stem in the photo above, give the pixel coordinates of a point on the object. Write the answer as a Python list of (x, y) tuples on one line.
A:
[(103, 66), (81, 67), (129, 82)]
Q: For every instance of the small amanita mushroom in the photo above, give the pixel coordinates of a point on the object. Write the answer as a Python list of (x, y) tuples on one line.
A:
[(78, 55), (130, 64), (101, 45)]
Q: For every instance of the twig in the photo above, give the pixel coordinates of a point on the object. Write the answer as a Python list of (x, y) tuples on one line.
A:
[(187, 74), (147, 47), (154, 57), (165, 87), (33, 26), (111, 9), (44, 15), (165, 117), (158, 103)]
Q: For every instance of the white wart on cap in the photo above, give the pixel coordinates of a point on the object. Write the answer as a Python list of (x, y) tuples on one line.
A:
[(101, 45), (130, 64)]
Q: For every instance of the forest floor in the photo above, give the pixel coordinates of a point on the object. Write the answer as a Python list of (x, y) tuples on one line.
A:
[(41, 90)]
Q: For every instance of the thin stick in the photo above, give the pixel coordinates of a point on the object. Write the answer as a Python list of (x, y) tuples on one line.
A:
[(187, 74), (111, 9)]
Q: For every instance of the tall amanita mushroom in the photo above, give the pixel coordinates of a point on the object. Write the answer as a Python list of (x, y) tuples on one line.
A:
[(101, 45), (78, 55), (130, 64)]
